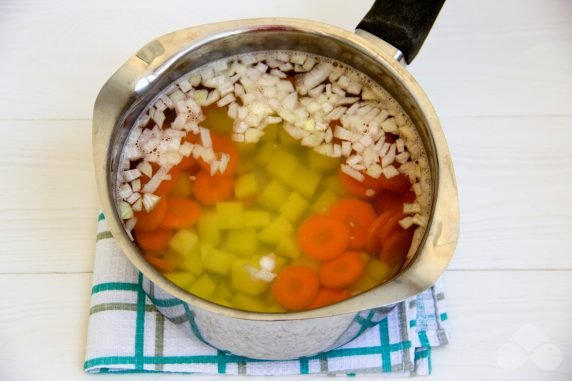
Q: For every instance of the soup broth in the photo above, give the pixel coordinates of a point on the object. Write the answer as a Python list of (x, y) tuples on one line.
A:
[(275, 181)]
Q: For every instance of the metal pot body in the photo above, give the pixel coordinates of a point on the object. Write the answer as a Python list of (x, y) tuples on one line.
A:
[(278, 335)]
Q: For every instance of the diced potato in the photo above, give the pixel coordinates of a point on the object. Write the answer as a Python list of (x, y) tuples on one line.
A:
[(264, 153), (273, 195), (363, 284), (294, 207), (241, 279), (304, 180), (184, 242), (255, 218), (275, 308), (181, 279), (275, 230), (218, 261), (279, 261), (378, 271), (183, 187), (288, 247), (222, 292), (222, 302), (203, 287), (229, 214), (325, 200), (192, 263), (208, 229), (322, 163), (334, 184), (248, 302), (242, 242), (282, 165), (246, 186)]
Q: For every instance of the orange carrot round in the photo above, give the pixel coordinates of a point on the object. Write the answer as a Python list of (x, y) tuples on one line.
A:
[(181, 213), (161, 264), (209, 190), (222, 144), (327, 296), (342, 271), (155, 240), (358, 216), (398, 184), (395, 247), (383, 223), (322, 237), (393, 201), (166, 185), (295, 287), (147, 221)]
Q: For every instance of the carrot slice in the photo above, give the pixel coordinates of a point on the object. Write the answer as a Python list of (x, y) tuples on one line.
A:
[(399, 183), (326, 297), (395, 247), (166, 185), (181, 213), (153, 241), (342, 271), (209, 190), (322, 237), (188, 163), (161, 264), (151, 220), (374, 238), (295, 287), (392, 201), (371, 187), (222, 144), (358, 216)]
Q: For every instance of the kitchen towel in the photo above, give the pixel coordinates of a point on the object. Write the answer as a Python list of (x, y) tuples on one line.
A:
[(127, 334)]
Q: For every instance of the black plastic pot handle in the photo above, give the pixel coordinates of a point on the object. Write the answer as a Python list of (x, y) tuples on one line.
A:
[(403, 23)]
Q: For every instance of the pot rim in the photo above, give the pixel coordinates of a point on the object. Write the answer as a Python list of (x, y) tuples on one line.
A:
[(435, 250)]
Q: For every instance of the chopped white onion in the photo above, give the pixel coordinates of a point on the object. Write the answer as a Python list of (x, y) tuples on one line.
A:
[(352, 172), (150, 200), (145, 168), (131, 174)]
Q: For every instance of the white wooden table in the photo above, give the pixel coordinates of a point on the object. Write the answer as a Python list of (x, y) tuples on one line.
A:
[(499, 74)]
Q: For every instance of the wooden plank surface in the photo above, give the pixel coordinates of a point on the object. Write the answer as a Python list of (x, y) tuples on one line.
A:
[(499, 74), (508, 57), (47, 316)]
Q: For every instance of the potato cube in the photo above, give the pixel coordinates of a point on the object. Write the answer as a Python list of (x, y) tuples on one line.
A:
[(181, 279), (248, 302), (184, 242), (378, 271), (363, 284), (294, 207), (222, 292), (334, 184), (242, 242), (191, 263), (241, 279), (203, 287), (218, 261), (275, 230), (229, 214), (282, 165), (246, 186), (273, 195), (288, 247), (208, 229), (305, 181), (255, 218)]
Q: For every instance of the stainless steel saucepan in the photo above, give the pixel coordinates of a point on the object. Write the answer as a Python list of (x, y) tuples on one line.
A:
[(390, 35)]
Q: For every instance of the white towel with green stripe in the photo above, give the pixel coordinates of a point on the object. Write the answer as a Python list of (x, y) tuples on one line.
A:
[(127, 334)]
